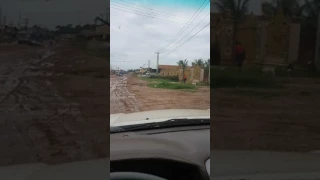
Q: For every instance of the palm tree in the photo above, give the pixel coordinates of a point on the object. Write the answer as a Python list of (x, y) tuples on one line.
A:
[(289, 8), (207, 64), (183, 64), (198, 62), (237, 9), (311, 11)]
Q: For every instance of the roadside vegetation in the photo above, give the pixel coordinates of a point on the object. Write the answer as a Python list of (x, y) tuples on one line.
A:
[(167, 82), (231, 77)]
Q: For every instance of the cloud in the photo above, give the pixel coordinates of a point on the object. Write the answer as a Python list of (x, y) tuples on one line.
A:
[(135, 38)]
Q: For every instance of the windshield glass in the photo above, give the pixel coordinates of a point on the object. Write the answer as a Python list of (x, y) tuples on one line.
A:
[(160, 58)]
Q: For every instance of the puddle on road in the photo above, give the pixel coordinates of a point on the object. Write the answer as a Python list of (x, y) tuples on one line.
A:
[(121, 99)]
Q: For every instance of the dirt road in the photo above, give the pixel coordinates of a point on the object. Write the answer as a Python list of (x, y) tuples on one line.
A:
[(284, 119), (121, 99), (131, 94), (53, 106)]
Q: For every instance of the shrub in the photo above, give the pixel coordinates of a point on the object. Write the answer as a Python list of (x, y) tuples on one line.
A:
[(170, 78), (232, 77)]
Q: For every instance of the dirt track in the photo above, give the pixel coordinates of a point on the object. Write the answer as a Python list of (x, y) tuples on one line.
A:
[(130, 94), (54, 108), (281, 120)]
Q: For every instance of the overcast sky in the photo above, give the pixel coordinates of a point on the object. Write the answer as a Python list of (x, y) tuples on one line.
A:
[(135, 38), (51, 13)]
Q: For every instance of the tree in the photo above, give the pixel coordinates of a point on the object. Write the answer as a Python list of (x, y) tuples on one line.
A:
[(183, 64), (198, 62), (207, 64), (237, 10), (310, 13), (290, 8)]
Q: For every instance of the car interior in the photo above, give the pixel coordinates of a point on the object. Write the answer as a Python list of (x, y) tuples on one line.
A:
[(264, 165), (161, 154)]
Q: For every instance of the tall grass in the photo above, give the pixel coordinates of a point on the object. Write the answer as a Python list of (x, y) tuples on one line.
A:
[(169, 78), (166, 83), (231, 77)]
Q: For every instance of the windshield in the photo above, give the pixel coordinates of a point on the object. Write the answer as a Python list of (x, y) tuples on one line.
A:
[(160, 58), (265, 75)]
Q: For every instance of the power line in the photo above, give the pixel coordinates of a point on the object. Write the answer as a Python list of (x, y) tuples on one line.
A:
[(192, 29), (146, 14), (187, 40), (185, 26), (150, 9)]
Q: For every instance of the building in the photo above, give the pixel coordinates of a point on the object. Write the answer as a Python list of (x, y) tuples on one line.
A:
[(266, 40), (193, 73)]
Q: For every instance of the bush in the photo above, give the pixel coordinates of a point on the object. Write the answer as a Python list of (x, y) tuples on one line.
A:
[(170, 78), (232, 77), (168, 85)]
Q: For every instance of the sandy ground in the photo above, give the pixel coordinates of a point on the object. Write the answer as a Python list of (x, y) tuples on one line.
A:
[(281, 120), (130, 94), (54, 105)]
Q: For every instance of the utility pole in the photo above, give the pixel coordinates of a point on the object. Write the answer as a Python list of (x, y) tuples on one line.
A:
[(148, 64), (317, 49), (157, 61)]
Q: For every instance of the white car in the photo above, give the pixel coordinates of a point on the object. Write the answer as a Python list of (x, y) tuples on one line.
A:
[(161, 144)]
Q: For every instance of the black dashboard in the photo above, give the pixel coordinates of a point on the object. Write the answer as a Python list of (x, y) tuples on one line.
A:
[(171, 153), (164, 168)]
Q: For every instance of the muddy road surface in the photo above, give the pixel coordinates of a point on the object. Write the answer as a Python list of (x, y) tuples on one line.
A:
[(121, 99), (50, 110), (131, 94), (285, 119)]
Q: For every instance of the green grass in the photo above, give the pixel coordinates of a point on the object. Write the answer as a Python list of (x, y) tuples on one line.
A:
[(167, 84), (297, 73), (256, 93), (231, 77)]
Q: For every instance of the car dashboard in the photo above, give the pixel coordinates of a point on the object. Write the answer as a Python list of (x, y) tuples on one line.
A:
[(170, 153)]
